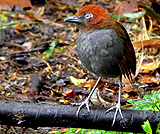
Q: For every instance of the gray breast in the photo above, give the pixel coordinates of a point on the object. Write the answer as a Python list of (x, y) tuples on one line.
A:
[(99, 52)]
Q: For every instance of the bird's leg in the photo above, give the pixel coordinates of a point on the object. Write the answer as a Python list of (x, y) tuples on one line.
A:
[(86, 102), (118, 106)]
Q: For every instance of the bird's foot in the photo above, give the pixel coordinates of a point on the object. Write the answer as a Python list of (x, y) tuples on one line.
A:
[(86, 102), (118, 108)]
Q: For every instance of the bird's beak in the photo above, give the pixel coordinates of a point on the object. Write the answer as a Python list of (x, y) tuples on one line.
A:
[(73, 19)]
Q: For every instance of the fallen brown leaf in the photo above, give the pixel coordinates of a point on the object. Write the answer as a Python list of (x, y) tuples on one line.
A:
[(6, 4), (146, 68), (125, 7), (152, 43)]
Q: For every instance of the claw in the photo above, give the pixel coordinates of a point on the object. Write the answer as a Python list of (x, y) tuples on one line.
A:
[(118, 108), (86, 102)]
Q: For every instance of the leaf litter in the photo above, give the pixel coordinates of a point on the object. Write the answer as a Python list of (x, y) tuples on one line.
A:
[(38, 62)]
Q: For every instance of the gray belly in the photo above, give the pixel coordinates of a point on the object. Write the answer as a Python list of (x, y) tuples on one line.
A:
[(99, 52)]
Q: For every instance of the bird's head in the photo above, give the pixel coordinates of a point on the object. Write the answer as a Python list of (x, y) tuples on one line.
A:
[(89, 16)]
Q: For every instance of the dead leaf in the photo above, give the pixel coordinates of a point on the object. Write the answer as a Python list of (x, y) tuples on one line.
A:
[(125, 7), (26, 90), (146, 68), (23, 97), (19, 26), (70, 92), (149, 79), (70, 2), (97, 98), (17, 46), (77, 81), (152, 43), (28, 45), (22, 16), (64, 7), (39, 13), (6, 4)]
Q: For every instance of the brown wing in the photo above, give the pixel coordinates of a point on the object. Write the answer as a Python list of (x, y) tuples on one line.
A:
[(127, 63)]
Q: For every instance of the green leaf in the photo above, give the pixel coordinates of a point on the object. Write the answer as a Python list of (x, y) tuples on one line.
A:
[(158, 129), (102, 132), (147, 127), (149, 102), (3, 18), (90, 131), (50, 49), (70, 131), (79, 62), (58, 49), (135, 15), (76, 81), (83, 131), (58, 133), (151, 12), (117, 17)]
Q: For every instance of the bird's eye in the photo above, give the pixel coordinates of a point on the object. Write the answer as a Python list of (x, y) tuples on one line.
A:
[(88, 16)]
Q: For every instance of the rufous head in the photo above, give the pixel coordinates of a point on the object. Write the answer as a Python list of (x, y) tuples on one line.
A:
[(89, 15)]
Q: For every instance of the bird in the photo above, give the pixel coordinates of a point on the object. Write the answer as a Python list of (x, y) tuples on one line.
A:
[(104, 48)]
